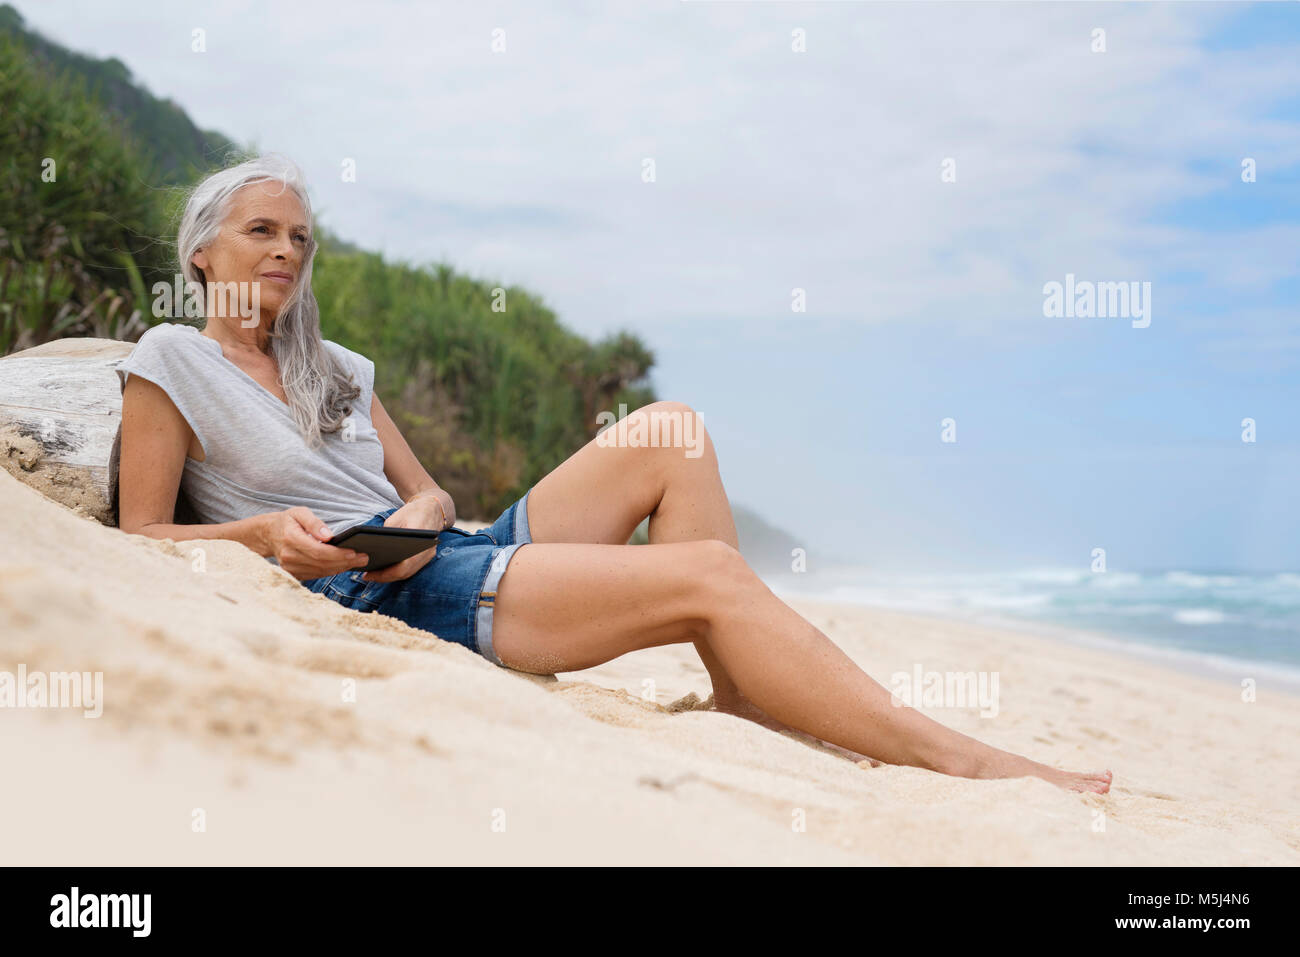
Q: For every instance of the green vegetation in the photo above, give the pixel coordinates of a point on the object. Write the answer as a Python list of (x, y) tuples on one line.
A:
[(490, 399), (79, 225)]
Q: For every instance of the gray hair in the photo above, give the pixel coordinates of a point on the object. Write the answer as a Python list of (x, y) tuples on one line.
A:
[(319, 389)]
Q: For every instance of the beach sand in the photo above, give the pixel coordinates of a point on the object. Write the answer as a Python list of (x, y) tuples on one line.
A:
[(226, 704)]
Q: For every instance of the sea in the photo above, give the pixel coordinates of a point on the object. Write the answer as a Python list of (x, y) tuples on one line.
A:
[(1229, 624)]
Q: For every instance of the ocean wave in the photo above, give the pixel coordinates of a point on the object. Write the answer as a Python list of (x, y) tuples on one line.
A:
[(1114, 580), (1248, 617), (991, 600), (1199, 616), (1192, 580), (1098, 605), (1051, 576)]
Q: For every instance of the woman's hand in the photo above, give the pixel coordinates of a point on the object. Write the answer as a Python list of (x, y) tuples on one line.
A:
[(296, 539), (433, 509)]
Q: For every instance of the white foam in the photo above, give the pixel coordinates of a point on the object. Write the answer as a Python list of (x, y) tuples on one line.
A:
[(1199, 616)]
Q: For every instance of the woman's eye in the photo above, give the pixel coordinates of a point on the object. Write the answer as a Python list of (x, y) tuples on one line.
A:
[(300, 238), (262, 228)]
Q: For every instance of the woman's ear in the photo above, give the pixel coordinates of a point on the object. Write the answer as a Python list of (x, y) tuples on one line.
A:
[(200, 259)]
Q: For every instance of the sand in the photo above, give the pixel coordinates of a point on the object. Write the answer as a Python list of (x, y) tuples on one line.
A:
[(246, 720)]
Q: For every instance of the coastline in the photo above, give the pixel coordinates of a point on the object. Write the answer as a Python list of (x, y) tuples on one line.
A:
[(1278, 677)]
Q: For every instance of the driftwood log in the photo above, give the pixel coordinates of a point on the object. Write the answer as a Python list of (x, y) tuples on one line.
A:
[(61, 422)]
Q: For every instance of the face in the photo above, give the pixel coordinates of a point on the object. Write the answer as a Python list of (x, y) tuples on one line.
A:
[(262, 245)]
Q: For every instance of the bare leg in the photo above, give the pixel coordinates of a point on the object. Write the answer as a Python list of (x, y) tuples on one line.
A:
[(565, 607), (603, 492)]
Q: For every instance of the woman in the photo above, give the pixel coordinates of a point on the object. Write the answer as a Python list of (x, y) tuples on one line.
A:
[(275, 435)]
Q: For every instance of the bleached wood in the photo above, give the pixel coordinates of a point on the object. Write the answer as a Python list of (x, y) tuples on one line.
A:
[(65, 396)]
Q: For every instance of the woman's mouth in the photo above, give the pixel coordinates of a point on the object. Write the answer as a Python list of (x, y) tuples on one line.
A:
[(280, 277)]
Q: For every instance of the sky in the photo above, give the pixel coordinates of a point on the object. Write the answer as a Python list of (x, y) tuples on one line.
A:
[(919, 171)]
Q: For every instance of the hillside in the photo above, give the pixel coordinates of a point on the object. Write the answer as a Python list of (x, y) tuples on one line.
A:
[(172, 144)]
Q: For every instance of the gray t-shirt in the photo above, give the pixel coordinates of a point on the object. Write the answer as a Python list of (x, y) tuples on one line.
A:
[(256, 459)]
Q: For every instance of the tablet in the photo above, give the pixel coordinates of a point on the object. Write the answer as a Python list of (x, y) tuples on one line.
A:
[(385, 546)]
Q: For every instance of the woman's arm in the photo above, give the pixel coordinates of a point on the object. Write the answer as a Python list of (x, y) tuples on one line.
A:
[(401, 466), (155, 441)]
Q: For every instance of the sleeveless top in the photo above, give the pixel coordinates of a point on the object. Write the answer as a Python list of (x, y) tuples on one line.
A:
[(256, 459)]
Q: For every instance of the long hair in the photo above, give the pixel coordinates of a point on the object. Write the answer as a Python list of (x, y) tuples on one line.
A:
[(318, 388)]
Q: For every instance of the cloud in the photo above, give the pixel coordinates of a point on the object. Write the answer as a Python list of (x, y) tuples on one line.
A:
[(776, 170)]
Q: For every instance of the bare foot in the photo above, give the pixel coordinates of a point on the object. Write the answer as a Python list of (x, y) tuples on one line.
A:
[(744, 708), (1000, 764)]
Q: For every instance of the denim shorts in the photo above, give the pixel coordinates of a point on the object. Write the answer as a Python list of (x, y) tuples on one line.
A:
[(454, 594)]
